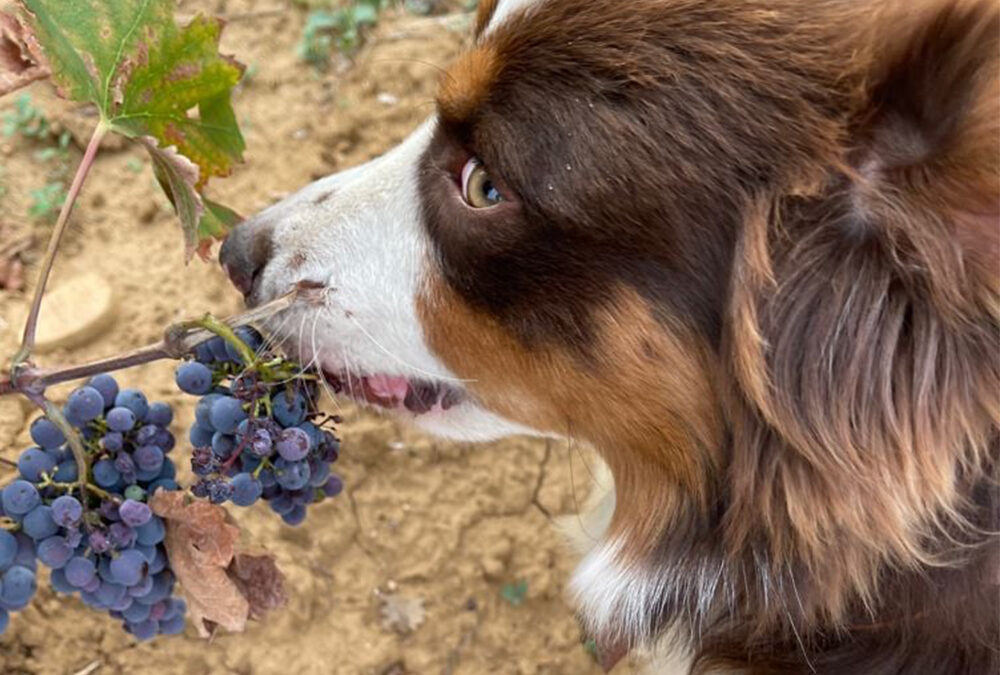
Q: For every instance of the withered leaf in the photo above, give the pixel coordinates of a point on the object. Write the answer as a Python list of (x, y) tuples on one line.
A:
[(201, 544), (260, 581), (21, 61)]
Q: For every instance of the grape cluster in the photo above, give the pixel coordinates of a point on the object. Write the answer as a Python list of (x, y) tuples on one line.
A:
[(257, 433), (111, 552)]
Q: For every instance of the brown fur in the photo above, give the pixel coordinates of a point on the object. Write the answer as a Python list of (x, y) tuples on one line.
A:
[(483, 15), (751, 251)]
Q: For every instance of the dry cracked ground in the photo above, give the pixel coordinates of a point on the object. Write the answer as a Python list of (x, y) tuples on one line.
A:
[(440, 557)]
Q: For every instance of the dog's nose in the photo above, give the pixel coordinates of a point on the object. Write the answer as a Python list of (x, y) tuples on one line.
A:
[(246, 252)]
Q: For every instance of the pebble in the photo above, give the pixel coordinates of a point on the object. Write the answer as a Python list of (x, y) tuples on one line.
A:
[(74, 312)]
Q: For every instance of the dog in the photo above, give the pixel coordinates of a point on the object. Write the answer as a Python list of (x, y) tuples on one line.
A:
[(747, 249)]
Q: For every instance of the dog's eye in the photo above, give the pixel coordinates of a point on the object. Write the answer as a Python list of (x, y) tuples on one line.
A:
[(478, 189)]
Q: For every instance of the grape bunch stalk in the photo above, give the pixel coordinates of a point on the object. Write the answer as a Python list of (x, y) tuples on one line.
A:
[(257, 431), (98, 536)]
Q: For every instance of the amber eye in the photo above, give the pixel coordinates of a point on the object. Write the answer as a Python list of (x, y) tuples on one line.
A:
[(478, 189)]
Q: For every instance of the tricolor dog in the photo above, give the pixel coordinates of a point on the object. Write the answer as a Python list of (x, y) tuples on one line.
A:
[(747, 249)]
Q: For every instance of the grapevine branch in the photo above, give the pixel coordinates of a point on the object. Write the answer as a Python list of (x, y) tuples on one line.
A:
[(82, 171)]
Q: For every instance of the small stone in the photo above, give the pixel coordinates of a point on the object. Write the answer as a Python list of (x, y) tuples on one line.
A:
[(74, 313)]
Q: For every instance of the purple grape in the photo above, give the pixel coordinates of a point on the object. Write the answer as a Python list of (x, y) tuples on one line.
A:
[(120, 419), (106, 473), (80, 571), (160, 414), (291, 475), (46, 434), (193, 378), (66, 472), (113, 441), (151, 533), (18, 586), (295, 515), (107, 386), (38, 524), (144, 630), (99, 542), (293, 444), (246, 489), (137, 612), (67, 511), (227, 413), (125, 464), (129, 567), (223, 445), (333, 486), (147, 435), (121, 536), (134, 400), (148, 458), (8, 549), (19, 498), (289, 411), (84, 405), (34, 462), (134, 513), (54, 552)]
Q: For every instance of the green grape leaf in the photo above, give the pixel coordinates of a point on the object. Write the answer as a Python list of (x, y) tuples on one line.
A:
[(165, 86)]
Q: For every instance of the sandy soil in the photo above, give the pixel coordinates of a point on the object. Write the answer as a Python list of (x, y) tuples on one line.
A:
[(449, 526)]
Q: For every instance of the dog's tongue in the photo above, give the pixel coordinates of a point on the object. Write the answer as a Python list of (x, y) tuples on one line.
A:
[(388, 387)]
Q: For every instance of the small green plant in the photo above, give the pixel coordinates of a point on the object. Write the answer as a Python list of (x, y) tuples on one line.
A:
[(46, 201), (341, 29), (515, 593)]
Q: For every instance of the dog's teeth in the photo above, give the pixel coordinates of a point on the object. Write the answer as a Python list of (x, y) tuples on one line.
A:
[(421, 397), (451, 398)]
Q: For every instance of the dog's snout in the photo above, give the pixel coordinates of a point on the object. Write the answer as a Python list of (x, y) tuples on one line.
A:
[(246, 252)]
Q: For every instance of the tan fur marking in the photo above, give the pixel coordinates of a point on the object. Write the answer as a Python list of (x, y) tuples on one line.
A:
[(467, 83), (645, 401)]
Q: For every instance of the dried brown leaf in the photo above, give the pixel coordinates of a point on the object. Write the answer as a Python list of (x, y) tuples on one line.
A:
[(200, 545), (21, 60), (260, 581)]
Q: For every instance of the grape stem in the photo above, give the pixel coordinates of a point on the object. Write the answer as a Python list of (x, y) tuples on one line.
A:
[(31, 323), (179, 340)]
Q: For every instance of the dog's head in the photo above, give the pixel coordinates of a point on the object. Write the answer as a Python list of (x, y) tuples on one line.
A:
[(746, 248)]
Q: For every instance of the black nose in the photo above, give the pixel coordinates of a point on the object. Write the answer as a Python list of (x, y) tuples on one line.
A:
[(245, 253)]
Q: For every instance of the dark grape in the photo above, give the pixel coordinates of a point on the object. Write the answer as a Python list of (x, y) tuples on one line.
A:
[(34, 462), (17, 586), (107, 386), (227, 413), (8, 549), (193, 378), (106, 474), (120, 419), (54, 552), (80, 571), (67, 511), (38, 524), (289, 411), (46, 434), (246, 489), (19, 498), (134, 513), (134, 400), (160, 414), (293, 444), (129, 567), (83, 405)]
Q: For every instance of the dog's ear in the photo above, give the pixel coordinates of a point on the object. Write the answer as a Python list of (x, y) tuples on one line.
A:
[(863, 319)]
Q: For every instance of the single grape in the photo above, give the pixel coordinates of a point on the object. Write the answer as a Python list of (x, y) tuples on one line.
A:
[(291, 475), (129, 567), (148, 458), (46, 434), (134, 513), (99, 542), (38, 524), (218, 348), (19, 498), (67, 511), (293, 444), (137, 611), (151, 532), (160, 414), (18, 586), (113, 441), (333, 486), (147, 435), (289, 411), (193, 378), (246, 489), (144, 630), (83, 405), (120, 419), (223, 445), (134, 400), (227, 413), (33, 462), (295, 516), (60, 583), (80, 571), (262, 443), (172, 626), (121, 535), (54, 552), (319, 472), (111, 593), (66, 472), (203, 353), (203, 410), (107, 386), (281, 504), (8, 549), (125, 464), (201, 436), (106, 474)]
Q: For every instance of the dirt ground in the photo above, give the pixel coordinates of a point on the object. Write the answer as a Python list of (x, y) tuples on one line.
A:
[(460, 530)]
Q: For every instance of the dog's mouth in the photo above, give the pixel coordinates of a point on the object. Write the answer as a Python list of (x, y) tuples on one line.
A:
[(396, 392)]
